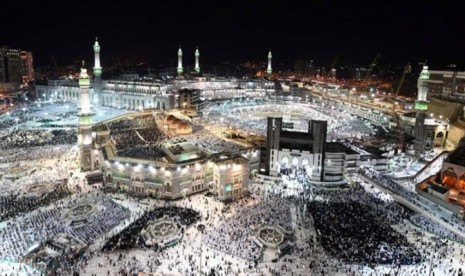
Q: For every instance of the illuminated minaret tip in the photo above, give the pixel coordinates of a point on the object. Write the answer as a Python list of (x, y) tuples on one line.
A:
[(84, 84), (97, 67), (197, 55), (422, 98), (268, 69), (180, 69)]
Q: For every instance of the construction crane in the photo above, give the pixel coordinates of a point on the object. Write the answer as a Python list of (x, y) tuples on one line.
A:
[(331, 68), (53, 61), (372, 65), (400, 131), (407, 69)]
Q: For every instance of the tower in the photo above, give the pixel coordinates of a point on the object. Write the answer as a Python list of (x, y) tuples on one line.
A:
[(318, 130), (85, 121), (268, 69), (423, 134), (197, 55), (180, 69), (97, 85), (274, 126)]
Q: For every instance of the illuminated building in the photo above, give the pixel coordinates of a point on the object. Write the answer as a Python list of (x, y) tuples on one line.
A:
[(27, 66), (445, 84), (143, 94), (180, 170), (230, 177), (428, 132), (323, 161), (16, 67), (447, 187), (189, 99)]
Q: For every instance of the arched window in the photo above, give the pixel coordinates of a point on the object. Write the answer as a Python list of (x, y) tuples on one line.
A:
[(295, 161), (305, 162), (285, 160)]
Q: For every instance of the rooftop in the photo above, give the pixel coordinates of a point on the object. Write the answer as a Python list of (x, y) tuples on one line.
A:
[(336, 147), (179, 152)]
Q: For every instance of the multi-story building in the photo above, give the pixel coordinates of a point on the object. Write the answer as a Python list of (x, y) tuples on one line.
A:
[(323, 161), (10, 65), (189, 98), (181, 170), (16, 67), (27, 66), (445, 83)]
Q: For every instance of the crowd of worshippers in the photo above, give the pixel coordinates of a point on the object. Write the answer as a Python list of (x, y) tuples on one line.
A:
[(352, 232), (435, 228), (235, 235), (413, 197), (34, 153), (37, 137), (12, 205), (342, 126), (131, 236), (212, 144), (37, 227), (138, 138)]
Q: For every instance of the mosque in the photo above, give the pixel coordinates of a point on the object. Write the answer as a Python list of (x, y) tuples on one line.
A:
[(176, 167), (160, 94), (179, 168)]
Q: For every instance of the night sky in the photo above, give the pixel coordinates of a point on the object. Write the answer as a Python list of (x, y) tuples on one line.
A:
[(238, 31)]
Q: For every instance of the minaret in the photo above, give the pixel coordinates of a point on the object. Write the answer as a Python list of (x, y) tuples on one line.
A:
[(197, 55), (180, 69), (422, 140), (85, 121), (268, 69), (97, 84)]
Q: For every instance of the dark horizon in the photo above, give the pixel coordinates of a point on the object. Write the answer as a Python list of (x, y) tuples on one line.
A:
[(243, 31)]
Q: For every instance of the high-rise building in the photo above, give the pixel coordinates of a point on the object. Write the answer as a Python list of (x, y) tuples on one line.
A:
[(16, 66), (10, 66), (27, 66), (447, 84)]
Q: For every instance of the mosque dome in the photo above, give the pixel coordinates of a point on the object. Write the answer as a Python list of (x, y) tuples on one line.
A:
[(170, 118)]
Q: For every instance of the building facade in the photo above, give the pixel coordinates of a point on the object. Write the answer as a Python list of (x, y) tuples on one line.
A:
[(16, 67), (182, 170), (428, 132), (323, 161)]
